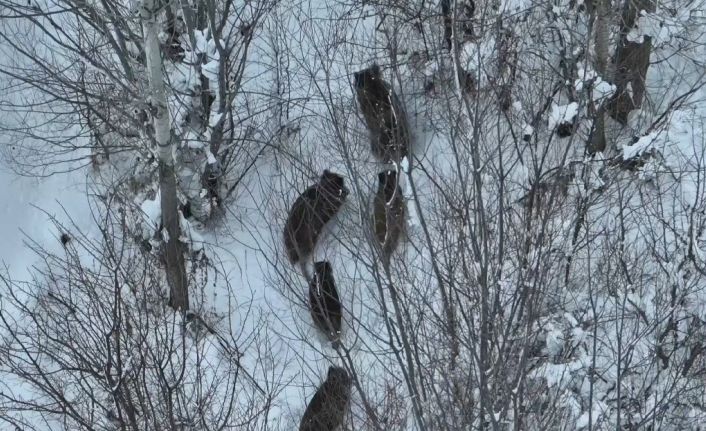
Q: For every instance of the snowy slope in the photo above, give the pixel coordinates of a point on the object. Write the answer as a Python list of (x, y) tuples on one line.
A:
[(252, 288)]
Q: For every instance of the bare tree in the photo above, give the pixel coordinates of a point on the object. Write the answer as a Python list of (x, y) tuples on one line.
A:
[(490, 315), (174, 254), (89, 343)]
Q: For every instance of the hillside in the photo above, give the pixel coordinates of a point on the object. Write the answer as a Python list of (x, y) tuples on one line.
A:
[(546, 177)]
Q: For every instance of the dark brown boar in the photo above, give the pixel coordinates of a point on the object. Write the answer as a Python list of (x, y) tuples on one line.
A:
[(388, 212), (326, 410), (312, 210), (383, 114), (324, 302)]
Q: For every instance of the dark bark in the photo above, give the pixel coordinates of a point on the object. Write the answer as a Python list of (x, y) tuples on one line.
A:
[(173, 250), (463, 20), (597, 141), (632, 60)]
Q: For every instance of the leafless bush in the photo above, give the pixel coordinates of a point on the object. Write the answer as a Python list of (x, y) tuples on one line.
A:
[(90, 343)]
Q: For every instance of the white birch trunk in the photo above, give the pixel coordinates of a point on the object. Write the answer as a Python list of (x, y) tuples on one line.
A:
[(173, 252), (158, 94)]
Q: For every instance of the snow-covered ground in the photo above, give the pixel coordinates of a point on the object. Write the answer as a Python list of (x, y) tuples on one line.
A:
[(27, 206), (254, 288)]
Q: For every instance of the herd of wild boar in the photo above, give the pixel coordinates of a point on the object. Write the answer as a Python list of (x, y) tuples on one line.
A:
[(317, 206)]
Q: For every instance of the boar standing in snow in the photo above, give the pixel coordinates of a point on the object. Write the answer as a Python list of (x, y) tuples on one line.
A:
[(310, 213), (324, 302), (388, 212), (326, 410), (383, 114)]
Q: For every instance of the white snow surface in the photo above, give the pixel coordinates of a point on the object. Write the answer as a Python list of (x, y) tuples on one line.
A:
[(248, 243), (562, 114), (27, 207), (152, 215), (600, 89)]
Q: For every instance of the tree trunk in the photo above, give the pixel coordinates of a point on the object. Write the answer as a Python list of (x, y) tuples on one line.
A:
[(174, 250), (174, 256), (448, 22), (597, 140), (601, 14), (631, 62), (601, 30)]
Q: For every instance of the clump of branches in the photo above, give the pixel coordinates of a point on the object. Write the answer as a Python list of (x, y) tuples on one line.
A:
[(90, 343)]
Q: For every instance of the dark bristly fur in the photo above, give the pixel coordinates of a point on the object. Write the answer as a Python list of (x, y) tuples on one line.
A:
[(383, 114), (310, 213), (326, 410), (324, 302), (388, 212)]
